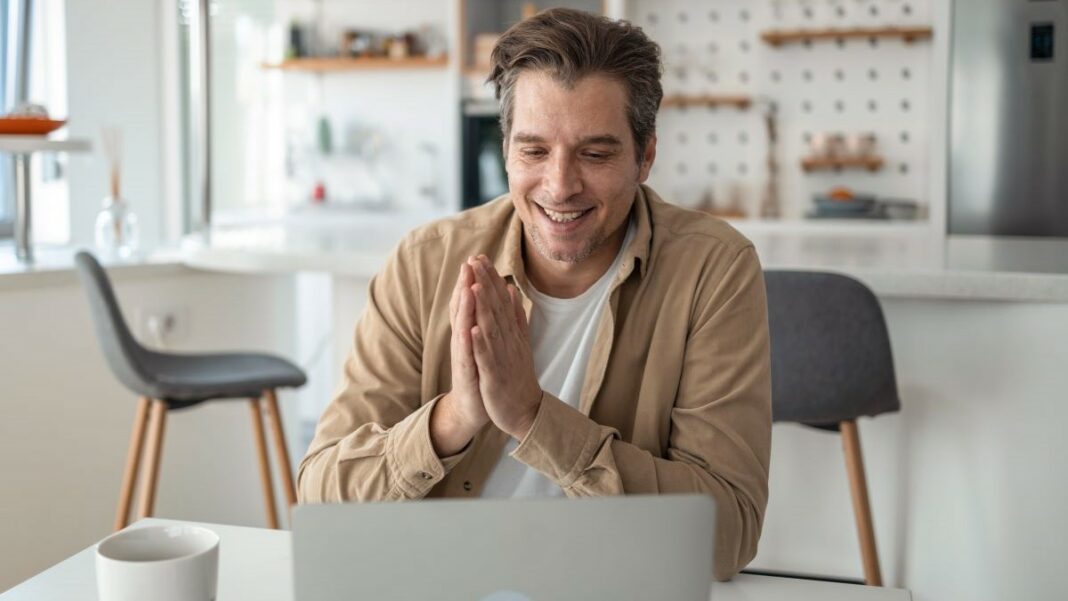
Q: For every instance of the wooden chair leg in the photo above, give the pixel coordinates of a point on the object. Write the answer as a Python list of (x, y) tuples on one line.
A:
[(274, 416), (133, 462), (156, 422), (858, 486), (265, 466)]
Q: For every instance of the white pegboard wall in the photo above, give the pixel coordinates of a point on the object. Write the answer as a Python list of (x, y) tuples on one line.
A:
[(850, 86)]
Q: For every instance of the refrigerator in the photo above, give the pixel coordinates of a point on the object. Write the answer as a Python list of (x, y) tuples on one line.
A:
[(1008, 130)]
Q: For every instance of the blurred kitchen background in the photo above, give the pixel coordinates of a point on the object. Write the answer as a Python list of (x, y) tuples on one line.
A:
[(271, 153)]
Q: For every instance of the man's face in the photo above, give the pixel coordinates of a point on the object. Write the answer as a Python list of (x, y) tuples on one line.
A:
[(572, 170)]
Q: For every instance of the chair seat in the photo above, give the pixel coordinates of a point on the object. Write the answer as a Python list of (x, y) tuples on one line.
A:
[(186, 379)]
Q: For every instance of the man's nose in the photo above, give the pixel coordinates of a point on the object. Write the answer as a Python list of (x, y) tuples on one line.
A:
[(562, 181)]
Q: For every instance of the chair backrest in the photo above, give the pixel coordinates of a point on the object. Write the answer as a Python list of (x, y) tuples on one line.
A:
[(830, 350), (124, 355)]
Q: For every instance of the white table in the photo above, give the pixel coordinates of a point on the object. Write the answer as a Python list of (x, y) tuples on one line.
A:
[(255, 563)]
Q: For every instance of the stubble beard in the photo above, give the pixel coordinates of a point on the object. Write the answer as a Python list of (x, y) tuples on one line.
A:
[(592, 244)]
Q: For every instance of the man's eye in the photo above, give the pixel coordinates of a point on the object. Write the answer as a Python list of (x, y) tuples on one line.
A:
[(597, 156), (533, 152)]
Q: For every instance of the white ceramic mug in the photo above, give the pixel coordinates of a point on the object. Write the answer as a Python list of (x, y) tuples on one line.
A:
[(162, 563)]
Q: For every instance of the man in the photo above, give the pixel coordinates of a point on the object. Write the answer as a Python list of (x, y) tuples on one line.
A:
[(577, 337)]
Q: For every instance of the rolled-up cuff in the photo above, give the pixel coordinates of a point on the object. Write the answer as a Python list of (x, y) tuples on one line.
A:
[(414, 465), (561, 443)]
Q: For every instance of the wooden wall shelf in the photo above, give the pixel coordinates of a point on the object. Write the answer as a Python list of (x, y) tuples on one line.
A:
[(706, 100), (337, 63), (779, 37), (818, 164)]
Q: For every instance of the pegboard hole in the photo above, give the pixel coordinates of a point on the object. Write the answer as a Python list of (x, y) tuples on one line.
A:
[(806, 137), (907, 9), (839, 106), (743, 77), (680, 168), (713, 16), (683, 17), (743, 168), (807, 12), (841, 12), (806, 106), (651, 18), (905, 137), (806, 75), (712, 77), (873, 74), (744, 45), (743, 15), (776, 76), (906, 73), (839, 74), (903, 168), (873, 106), (712, 137), (743, 138), (713, 47), (683, 138), (712, 168), (905, 105), (841, 43)]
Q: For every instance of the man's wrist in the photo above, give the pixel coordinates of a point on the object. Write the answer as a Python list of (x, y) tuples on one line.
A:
[(526, 422), (449, 432)]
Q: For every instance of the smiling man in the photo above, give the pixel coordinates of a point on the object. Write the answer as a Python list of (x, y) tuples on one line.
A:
[(579, 336)]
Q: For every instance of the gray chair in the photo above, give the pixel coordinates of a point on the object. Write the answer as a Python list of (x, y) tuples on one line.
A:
[(830, 364), (169, 381)]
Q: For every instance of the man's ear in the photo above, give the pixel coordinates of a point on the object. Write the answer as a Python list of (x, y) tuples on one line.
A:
[(648, 157)]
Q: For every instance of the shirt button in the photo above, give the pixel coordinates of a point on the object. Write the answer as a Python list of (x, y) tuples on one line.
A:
[(467, 485), (425, 476)]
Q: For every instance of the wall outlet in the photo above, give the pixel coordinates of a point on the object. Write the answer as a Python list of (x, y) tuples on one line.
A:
[(162, 327)]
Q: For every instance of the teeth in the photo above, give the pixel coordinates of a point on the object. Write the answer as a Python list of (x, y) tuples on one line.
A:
[(563, 217)]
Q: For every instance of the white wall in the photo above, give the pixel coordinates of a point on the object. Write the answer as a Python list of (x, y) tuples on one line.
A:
[(113, 71), (65, 421)]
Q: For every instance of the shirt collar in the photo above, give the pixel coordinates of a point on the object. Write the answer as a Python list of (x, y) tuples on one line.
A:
[(509, 261)]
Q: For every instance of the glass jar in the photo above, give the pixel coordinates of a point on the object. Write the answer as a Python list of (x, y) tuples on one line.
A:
[(117, 231)]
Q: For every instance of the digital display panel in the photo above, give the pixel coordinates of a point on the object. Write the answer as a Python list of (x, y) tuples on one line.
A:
[(1042, 41)]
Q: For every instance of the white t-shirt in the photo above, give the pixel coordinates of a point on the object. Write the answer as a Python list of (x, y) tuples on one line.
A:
[(562, 331)]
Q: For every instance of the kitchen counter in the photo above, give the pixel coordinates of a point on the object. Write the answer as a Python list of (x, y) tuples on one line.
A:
[(905, 260)]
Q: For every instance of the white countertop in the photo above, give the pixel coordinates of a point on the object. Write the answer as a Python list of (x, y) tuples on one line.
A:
[(904, 260), (897, 260), (54, 266)]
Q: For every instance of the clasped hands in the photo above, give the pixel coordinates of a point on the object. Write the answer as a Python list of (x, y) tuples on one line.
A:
[(493, 375)]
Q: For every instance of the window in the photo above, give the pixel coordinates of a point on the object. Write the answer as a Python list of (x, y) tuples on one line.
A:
[(7, 167), (48, 87)]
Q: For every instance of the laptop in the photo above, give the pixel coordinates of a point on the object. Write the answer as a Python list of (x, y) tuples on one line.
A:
[(543, 549)]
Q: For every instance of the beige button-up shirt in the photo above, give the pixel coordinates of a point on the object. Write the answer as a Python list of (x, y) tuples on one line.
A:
[(677, 394)]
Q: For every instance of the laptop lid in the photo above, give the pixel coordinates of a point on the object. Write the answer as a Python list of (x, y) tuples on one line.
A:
[(612, 548)]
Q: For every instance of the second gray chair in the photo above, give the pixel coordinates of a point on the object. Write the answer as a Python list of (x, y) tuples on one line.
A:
[(166, 381), (830, 364)]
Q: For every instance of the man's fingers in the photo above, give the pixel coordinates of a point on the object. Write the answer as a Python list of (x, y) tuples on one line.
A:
[(517, 306), (484, 314), (462, 281), (496, 296)]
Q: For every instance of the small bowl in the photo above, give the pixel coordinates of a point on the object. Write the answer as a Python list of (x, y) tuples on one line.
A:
[(29, 126)]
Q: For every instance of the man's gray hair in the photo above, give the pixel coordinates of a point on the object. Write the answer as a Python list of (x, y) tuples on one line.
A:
[(571, 44)]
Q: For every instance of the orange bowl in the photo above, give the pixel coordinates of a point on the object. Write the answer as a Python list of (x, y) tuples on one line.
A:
[(23, 126)]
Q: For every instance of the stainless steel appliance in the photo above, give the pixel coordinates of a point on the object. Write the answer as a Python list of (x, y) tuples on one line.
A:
[(1009, 118)]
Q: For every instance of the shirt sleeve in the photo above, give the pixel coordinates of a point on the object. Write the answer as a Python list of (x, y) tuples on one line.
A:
[(373, 441), (720, 440)]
